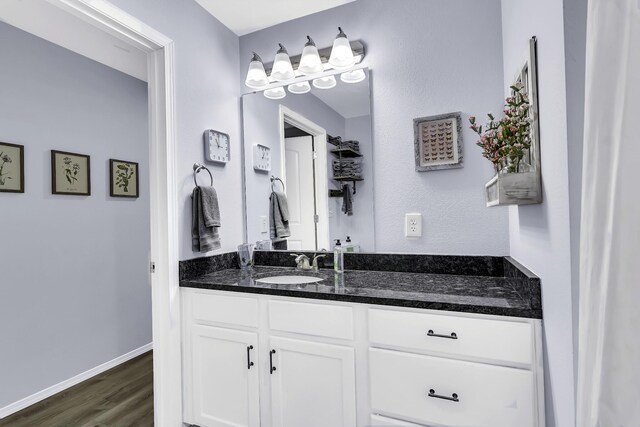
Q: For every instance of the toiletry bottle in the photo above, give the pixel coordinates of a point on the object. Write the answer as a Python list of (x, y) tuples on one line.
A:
[(348, 246), (338, 257)]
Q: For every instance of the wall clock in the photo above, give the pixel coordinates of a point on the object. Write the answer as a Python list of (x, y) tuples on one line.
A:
[(261, 158), (217, 146)]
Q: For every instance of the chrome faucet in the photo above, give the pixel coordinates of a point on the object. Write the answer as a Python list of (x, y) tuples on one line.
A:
[(302, 262), (315, 262)]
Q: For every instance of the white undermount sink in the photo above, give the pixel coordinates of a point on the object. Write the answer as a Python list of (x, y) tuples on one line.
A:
[(289, 280)]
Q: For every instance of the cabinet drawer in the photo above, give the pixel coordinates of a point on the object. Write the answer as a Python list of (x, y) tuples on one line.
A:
[(502, 341), (378, 421), (233, 310), (408, 385), (323, 320)]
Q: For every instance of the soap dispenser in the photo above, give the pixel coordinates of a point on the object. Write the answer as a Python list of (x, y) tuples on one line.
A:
[(338, 257)]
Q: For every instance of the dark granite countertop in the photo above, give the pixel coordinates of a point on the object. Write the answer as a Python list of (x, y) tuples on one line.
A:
[(506, 295)]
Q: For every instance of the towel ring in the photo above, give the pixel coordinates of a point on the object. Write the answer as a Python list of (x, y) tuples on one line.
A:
[(197, 167), (274, 178)]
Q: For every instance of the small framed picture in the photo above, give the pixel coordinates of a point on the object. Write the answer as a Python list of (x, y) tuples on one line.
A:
[(11, 168), (70, 173), (438, 142), (123, 178)]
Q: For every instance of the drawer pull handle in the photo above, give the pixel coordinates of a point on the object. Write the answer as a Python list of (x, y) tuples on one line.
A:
[(273, 368), (453, 335), (249, 362), (453, 398)]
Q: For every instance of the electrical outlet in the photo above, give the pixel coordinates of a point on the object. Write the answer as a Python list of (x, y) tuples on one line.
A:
[(264, 224), (413, 225)]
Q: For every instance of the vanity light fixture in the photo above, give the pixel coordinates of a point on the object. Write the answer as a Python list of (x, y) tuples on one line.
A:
[(310, 63), (327, 82), (299, 88), (256, 76), (341, 54), (275, 93), (282, 69), (355, 76)]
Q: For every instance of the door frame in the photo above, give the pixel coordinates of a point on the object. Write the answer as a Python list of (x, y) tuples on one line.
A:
[(319, 135), (160, 50)]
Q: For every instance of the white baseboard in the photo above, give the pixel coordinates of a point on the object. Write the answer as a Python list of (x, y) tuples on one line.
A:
[(57, 388)]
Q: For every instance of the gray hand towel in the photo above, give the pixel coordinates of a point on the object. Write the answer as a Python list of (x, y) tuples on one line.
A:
[(278, 215), (205, 220), (347, 200)]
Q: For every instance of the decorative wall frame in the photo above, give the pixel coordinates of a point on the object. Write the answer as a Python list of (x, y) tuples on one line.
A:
[(124, 179), (11, 168), (438, 142), (70, 173), (522, 188)]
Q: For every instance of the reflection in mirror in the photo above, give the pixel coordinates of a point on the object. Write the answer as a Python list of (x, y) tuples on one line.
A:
[(308, 166)]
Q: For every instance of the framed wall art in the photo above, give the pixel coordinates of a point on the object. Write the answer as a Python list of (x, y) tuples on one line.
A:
[(123, 178), (11, 168), (438, 142), (70, 173)]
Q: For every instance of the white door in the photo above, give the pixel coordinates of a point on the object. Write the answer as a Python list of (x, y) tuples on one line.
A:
[(313, 384), (300, 192), (225, 382)]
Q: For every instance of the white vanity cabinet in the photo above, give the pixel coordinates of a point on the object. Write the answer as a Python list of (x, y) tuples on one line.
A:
[(319, 363)]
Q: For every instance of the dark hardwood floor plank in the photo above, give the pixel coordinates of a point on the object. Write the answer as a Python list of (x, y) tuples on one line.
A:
[(121, 396)]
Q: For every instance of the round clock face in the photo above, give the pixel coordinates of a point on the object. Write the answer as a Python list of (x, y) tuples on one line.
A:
[(217, 148)]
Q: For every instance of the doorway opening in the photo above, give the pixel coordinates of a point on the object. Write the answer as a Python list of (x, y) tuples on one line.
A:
[(304, 167)]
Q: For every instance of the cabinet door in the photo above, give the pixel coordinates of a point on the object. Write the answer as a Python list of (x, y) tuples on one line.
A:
[(225, 384), (313, 384)]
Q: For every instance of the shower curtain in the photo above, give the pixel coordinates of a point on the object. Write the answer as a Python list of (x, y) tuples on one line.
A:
[(609, 339)]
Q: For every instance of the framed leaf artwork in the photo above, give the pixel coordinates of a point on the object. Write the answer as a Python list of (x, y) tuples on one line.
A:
[(11, 168), (123, 178), (70, 173)]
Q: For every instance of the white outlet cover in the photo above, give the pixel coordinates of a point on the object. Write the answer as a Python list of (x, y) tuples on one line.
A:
[(264, 224), (413, 225)]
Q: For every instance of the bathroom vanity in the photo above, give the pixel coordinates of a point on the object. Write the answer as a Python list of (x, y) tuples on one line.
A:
[(440, 341)]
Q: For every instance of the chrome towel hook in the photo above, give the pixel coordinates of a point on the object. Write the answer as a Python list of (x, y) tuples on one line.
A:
[(275, 178), (197, 167)]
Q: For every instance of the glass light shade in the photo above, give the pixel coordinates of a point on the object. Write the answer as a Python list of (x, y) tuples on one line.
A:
[(310, 63), (256, 76), (341, 54), (282, 69), (355, 76), (275, 93), (299, 88), (325, 82)]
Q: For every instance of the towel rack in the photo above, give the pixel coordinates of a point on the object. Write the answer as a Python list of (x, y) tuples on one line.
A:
[(197, 167), (275, 178)]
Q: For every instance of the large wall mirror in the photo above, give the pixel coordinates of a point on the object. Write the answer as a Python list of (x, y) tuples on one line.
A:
[(308, 162)]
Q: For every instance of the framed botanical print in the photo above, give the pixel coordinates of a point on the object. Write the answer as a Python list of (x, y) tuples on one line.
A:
[(70, 173), (11, 168), (123, 178)]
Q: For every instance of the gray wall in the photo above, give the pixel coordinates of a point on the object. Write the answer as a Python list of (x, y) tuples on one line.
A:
[(541, 234), (427, 57), (73, 270), (207, 97)]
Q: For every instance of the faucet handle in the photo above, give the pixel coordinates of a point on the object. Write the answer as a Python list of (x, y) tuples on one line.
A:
[(315, 261), (302, 261)]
